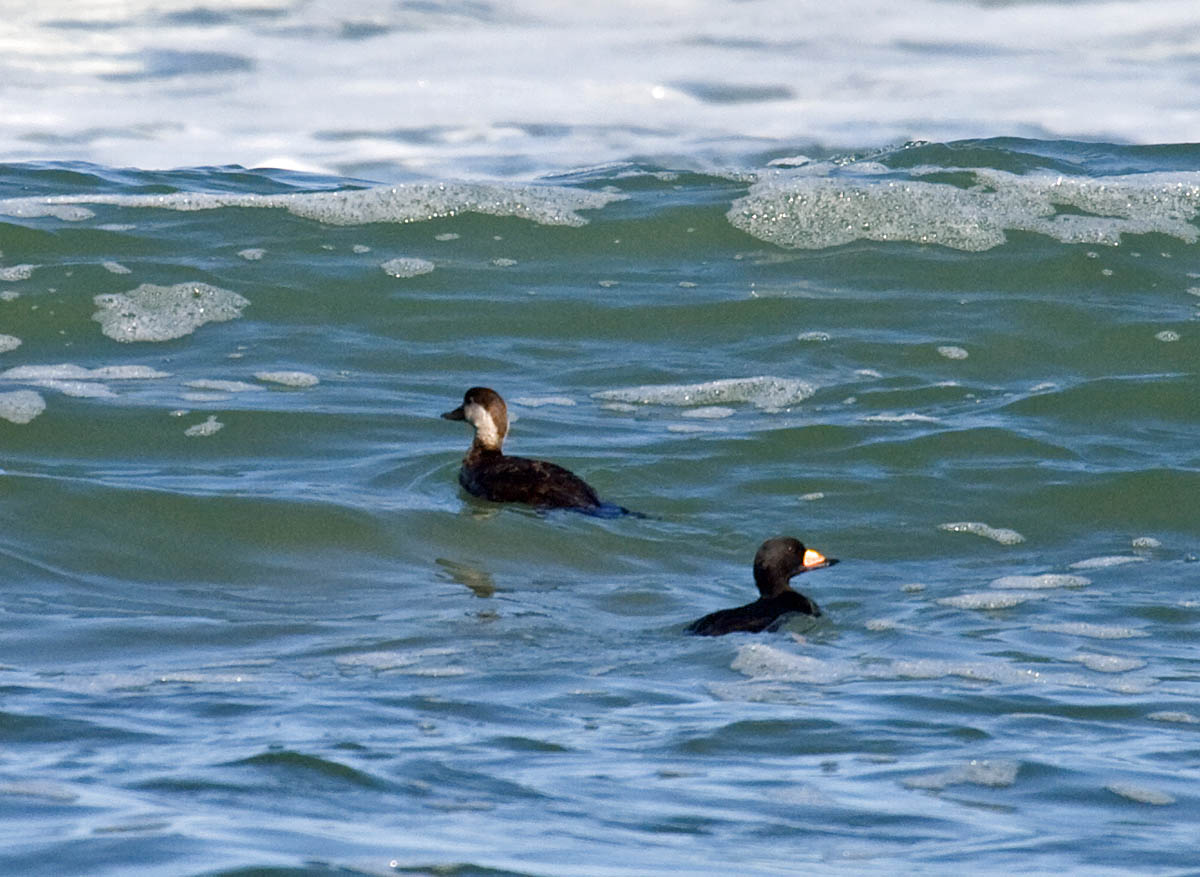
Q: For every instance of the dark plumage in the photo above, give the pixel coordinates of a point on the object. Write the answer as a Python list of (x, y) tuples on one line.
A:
[(776, 562), (488, 473)]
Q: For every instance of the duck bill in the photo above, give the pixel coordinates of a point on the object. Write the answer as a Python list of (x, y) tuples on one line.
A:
[(816, 560), (456, 414)]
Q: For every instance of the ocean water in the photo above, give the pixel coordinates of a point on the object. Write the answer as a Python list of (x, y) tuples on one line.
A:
[(250, 624)]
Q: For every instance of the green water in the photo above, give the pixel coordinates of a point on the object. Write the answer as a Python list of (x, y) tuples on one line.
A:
[(250, 621)]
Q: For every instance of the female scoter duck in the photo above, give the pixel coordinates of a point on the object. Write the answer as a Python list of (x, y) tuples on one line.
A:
[(775, 563), (489, 473)]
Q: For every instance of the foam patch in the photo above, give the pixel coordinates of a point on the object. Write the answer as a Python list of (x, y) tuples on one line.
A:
[(410, 202), (407, 267), (996, 534), (805, 210), (1047, 580), (162, 313), (1108, 663), (994, 774), (68, 372), (763, 392), (1105, 562), (21, 406), (209, 427), (991, 600), (1096, 631), (222, 386), (13, 273), (289, 378)]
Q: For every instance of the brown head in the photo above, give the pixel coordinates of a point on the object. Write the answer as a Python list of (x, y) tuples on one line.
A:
[(485, 410), (778, 560)]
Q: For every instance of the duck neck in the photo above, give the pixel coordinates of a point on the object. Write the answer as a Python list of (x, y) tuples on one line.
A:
[(770, 583), (481, 449)]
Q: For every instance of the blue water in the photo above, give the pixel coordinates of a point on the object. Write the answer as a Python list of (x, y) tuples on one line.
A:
[(251, 624)]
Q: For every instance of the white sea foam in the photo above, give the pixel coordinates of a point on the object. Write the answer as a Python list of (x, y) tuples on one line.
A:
[(909, 417), (1107, 663), (116, 268), (381, 660), (789, 161), (1141, 794), (951, 352), (1146, 542), (199, 678), (997, 534), (252, 254), (222, 386), (68, 372), (1176, 717), (995, 774), (763, 392), (758, 660), (33, 210), (1047, 580), (74, 380), (718, 72), (1096, 631), (541, 401), (410, 202), (709, 412), (407, 266), (21, 406), (991, 600), (161, 313), (762, 662), (977, 671), (9, 343), (289, 378), (409, 662), (1105, 562), (207, 428), (13, 273), (78, 389), (803, 210), (1167, 335)]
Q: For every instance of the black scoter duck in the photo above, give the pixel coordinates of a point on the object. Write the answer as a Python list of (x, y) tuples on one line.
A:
[(775, 563), (489, 473)]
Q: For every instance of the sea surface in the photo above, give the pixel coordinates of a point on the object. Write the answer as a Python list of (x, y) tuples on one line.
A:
[(251, 625)]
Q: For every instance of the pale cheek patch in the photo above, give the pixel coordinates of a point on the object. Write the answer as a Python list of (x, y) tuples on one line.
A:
[(485, 427)]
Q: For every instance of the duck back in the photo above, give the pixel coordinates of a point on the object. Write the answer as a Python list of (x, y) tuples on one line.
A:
[(494, 476), (753, 617)]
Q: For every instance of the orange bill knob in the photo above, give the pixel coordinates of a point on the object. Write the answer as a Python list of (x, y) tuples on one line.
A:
[(816, 560)]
